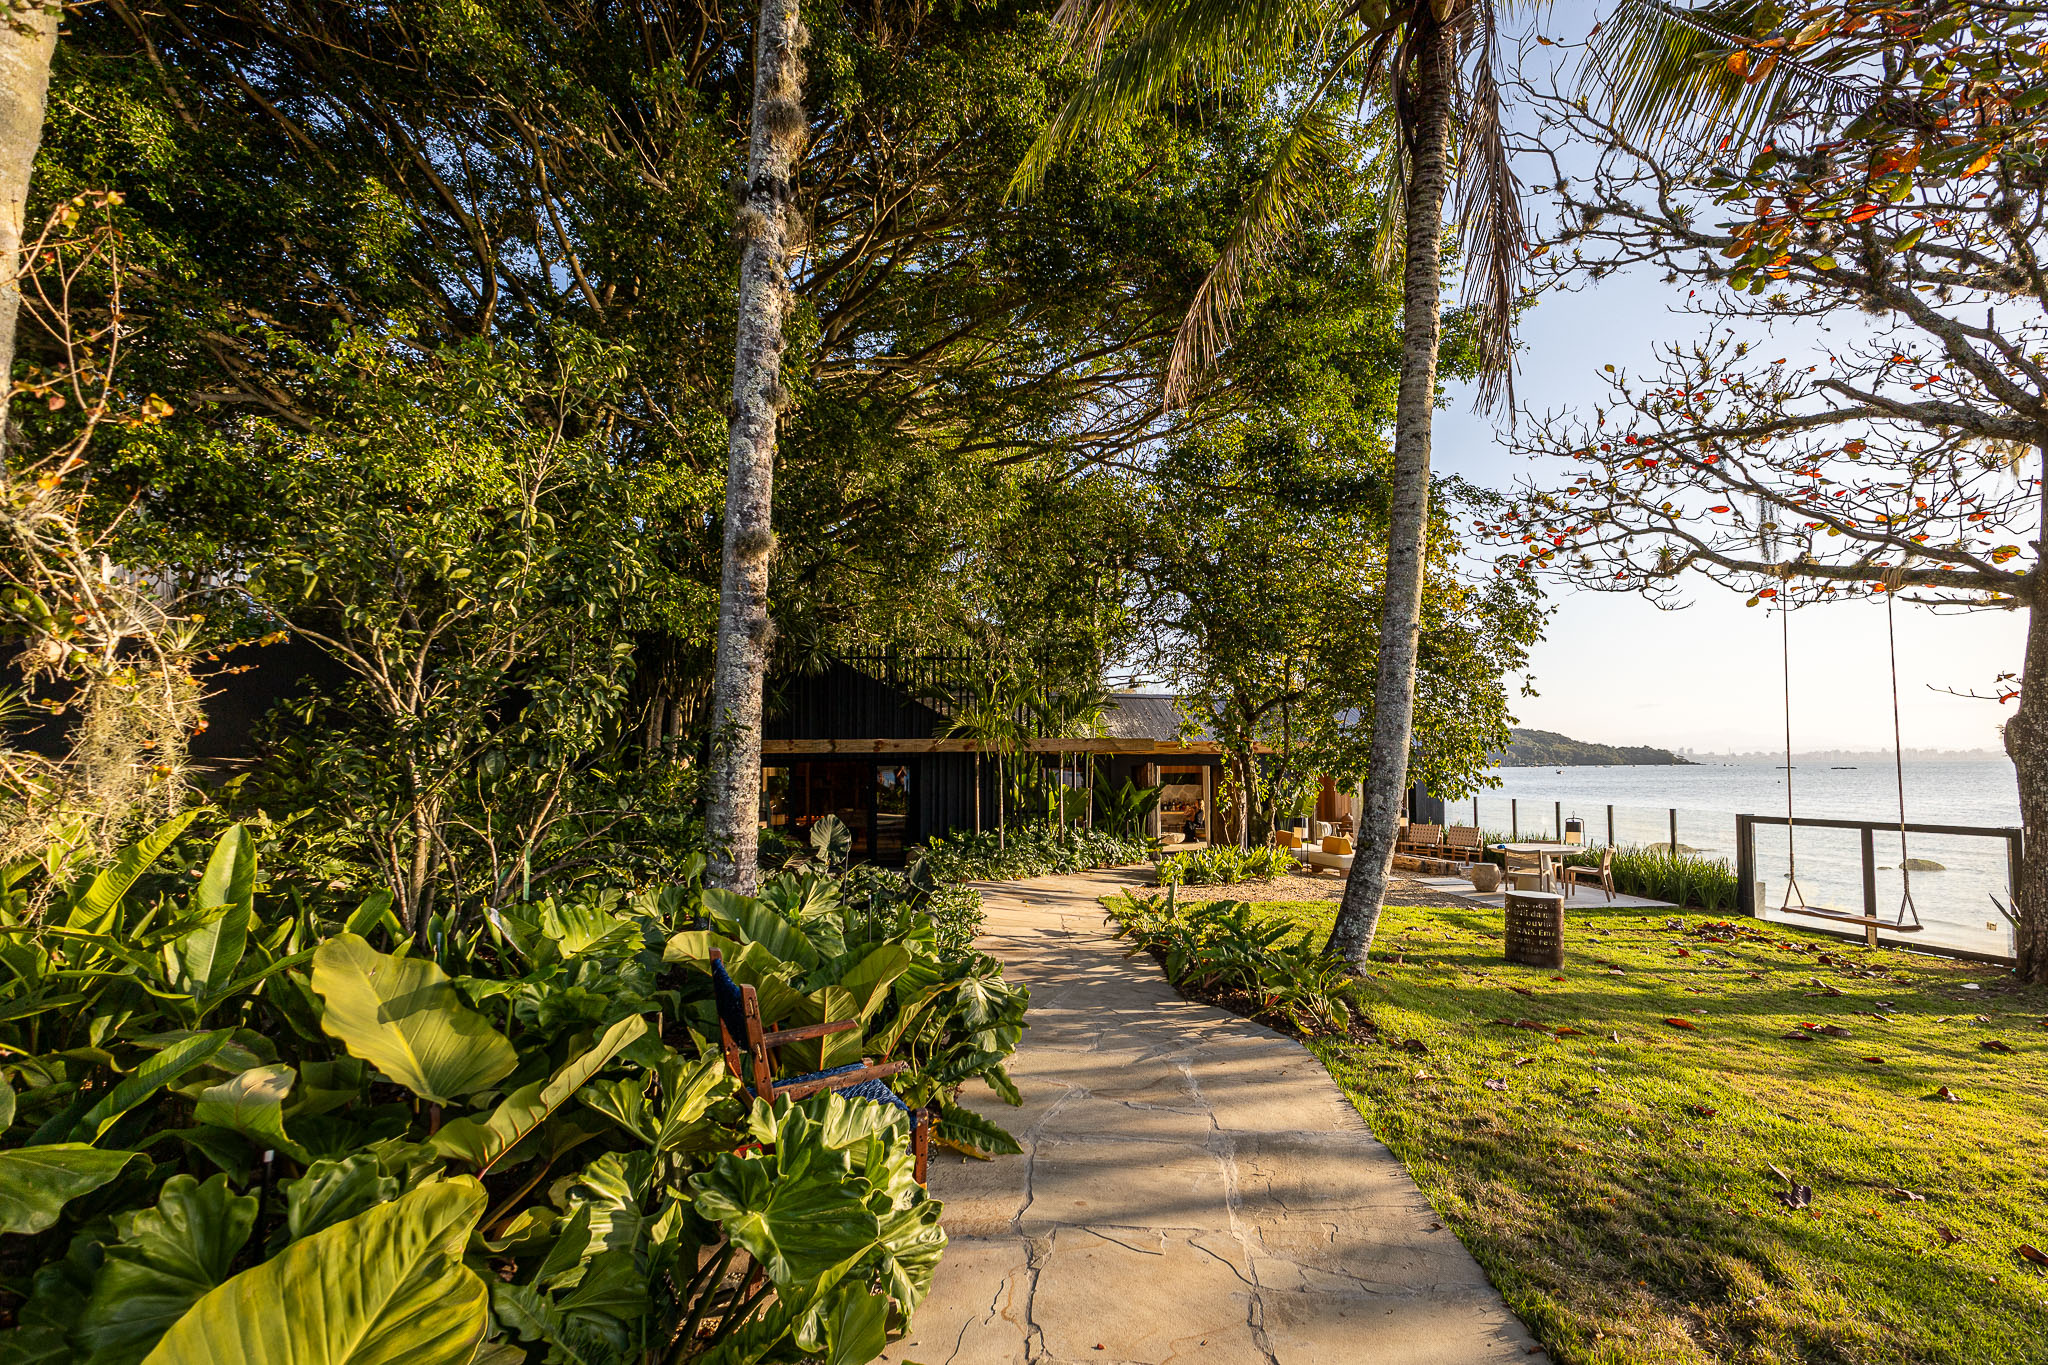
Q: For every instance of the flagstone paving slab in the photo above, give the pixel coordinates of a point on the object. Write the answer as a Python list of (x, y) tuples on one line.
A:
[(1193, 1187)]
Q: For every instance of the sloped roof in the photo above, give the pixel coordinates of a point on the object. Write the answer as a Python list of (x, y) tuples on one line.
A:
[(1147, 715)]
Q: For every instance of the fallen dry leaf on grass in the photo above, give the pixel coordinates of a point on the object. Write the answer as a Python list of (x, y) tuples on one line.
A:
[(1903, 1196), (1875, 1061), (1523, 1061), (1946, 1096), (1681, 1023), (1705, 1111), (1948, 1239), (1567, 1031), (1994, 1045), (2029, 1252), (1832, 1031), (1523, 990), (1494, 1085)]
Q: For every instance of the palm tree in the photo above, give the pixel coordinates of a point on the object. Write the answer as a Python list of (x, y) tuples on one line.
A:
[(1432, 68), (732, 797)]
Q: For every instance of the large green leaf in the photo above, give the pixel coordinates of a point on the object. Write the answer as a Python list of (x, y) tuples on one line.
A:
[(968, 1132), (252, 1103), (385, 1287), (688, 1090), (331, 1191), (168, 1258), (753, 922), (796, 1212), (403, 1016), (159, 1071), (37, 1182), (484, 1142), (94, 912), (205, 959)]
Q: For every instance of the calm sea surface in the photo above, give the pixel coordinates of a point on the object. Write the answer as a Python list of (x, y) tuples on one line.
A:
[(1954, 903)]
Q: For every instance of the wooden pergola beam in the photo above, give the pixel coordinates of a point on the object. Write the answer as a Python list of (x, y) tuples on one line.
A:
[(1161, 748)]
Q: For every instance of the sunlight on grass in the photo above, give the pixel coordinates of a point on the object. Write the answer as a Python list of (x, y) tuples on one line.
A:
[(1617, 1183)]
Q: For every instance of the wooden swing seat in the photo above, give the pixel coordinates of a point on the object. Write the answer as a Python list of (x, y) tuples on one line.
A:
[(1844, 917)]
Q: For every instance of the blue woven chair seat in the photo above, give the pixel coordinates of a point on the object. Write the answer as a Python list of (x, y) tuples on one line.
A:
[(877, 1091)]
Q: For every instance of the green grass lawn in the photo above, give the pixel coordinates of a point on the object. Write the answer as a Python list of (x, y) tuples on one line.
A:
[(1617, 1182)]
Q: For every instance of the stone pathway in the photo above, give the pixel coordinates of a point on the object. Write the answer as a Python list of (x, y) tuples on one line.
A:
[(1193, 1187)]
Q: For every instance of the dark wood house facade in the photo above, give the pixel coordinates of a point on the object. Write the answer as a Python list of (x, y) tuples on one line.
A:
[(866, 740)]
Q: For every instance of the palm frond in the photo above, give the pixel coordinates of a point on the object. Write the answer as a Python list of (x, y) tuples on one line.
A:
[(1493, 234), (1314, 141), (1169, 46), (1669, 73)]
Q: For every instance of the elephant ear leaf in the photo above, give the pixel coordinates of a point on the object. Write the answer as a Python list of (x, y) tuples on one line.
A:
[(385, 1286), (37, 1182), (168, 1258), (252, 1104), (754, 922), (403, 1016)]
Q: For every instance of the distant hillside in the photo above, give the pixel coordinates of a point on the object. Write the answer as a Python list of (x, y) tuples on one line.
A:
[(1547, 749)]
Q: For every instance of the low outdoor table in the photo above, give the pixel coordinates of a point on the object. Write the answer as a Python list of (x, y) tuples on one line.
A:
[(1535, 928)]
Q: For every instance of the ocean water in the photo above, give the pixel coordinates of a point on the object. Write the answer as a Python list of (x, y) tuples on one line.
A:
[(1954, 903)]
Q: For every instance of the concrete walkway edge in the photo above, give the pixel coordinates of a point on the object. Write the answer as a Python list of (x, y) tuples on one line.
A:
[(1194, 1187)]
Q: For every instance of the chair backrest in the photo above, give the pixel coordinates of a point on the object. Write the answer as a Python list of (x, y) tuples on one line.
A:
[(1462, 836), (1425, 834), (1519, 860), (1336, 843), (739, 1020), (1607, 860)]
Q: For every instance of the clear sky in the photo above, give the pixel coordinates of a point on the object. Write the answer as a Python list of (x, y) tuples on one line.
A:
[(1613, 669)]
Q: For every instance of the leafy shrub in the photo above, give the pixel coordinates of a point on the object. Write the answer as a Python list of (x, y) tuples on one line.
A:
[(1221, 946), (1655, 872), (213, 1106), (1224, 866), (1024, 851)]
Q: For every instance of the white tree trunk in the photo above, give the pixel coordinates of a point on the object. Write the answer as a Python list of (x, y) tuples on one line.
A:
[(1386, 781), (766, 225), (28, 38)]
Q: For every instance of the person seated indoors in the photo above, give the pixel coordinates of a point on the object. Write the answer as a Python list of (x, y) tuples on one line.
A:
[(1194, 826)]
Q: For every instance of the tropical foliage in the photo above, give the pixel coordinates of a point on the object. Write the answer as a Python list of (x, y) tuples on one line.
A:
[(1029, 851), (523, 1139), (1224, 865), (1225, 948)]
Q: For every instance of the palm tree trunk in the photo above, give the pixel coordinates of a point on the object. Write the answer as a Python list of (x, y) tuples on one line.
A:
[(1428, 124), (758, 397), (28, 38)]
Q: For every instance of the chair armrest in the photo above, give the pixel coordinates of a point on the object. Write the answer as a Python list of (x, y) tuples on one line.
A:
[(807, 1032), (867, 1073)]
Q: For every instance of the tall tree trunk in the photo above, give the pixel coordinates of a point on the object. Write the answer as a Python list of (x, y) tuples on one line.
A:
[(1002, 784), (1428, 120), (2026, 741), (28, 38), (766, 223), (977, 790)]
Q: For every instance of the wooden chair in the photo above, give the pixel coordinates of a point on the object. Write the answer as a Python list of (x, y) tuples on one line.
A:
[(1602, 875), (739, 1019), (1462, 844), (1521, 865), (1425, 839)]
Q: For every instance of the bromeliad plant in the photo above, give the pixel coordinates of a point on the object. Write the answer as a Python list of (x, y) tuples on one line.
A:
[(519, 1148)]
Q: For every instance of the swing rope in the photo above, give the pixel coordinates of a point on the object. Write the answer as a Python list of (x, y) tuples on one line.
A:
[(1893, 580), (1791, 834)]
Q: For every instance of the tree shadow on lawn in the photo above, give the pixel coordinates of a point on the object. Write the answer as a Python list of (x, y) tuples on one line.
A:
[(1614, 1171)]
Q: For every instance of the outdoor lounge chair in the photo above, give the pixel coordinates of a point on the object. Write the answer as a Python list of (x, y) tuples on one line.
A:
[(1423, 839), (1462, 844), (1601, 876), (739, 1018), (1335, 854)]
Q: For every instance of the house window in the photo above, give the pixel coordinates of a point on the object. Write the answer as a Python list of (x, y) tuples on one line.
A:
[(871, 799)]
